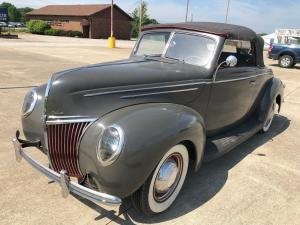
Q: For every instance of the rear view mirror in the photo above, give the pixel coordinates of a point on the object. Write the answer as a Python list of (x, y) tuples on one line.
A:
[(231, 61)]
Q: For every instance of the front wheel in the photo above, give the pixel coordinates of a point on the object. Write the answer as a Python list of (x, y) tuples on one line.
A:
[(163, 185)]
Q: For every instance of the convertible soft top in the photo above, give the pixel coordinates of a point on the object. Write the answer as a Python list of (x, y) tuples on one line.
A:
[(222, 29), (229, 31)]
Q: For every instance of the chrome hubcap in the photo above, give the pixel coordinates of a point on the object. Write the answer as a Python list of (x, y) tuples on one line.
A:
[(285, 61), (168, 177)]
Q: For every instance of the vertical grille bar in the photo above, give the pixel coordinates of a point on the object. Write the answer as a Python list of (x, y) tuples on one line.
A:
[(62, 143)]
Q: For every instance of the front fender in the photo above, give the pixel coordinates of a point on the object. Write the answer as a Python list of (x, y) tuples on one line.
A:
[(150, 131), (274, 88)]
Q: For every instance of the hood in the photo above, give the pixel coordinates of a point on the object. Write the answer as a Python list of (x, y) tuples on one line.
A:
[(97, 89)]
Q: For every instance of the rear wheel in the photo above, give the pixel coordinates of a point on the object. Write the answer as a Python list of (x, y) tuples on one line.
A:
[(163, 185), (286, 61)]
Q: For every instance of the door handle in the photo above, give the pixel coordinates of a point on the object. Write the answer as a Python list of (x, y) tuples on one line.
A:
[(252, 82)]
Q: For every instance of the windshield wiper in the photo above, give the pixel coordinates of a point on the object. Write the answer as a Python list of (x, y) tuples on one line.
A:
[(175, 59), (156, 57), (152, 55)]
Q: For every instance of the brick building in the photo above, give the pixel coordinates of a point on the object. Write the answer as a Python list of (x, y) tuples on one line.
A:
[(92, 20)]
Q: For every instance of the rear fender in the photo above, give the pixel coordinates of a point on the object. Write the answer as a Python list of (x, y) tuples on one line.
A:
[(150, 131), (274, 89)]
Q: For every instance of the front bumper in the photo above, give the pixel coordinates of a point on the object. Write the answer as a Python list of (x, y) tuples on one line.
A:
[(62, 178)]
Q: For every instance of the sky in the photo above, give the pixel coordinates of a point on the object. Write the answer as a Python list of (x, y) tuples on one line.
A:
[(263, 16)]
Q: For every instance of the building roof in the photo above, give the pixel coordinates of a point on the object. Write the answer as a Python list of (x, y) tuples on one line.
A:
[(221, 29), (71, 10)]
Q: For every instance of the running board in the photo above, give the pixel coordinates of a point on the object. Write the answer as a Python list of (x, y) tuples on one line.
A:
[(219, 145)]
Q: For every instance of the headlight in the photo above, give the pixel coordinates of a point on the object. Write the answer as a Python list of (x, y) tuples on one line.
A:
[(29, 102), (110, 145)]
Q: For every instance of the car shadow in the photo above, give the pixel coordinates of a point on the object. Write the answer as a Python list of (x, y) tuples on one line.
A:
[(294, 67), (199, 187)]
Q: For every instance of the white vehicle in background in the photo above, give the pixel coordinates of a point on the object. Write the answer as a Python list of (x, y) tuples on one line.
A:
[(3, 24)]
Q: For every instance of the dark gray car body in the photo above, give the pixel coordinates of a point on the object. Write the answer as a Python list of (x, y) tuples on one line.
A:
[(158, 103)]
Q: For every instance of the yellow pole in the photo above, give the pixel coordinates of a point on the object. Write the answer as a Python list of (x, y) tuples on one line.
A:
[(112, 39)]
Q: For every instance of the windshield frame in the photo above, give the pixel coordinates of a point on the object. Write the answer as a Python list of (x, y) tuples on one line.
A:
[(172, 32)]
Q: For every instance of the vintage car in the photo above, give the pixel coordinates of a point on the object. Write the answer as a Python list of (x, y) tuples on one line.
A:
[(130, 129)]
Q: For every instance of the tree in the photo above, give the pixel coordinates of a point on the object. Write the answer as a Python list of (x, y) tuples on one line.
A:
[(13, 14), (23, 12), (145, 19)]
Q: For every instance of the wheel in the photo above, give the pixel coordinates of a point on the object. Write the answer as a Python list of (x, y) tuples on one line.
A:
[(163, 185), (269, 119), (286, 61)]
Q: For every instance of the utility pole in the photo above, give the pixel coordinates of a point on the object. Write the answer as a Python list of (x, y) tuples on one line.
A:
[(227, 11), (141, 15), (187, 10), (112, 19)]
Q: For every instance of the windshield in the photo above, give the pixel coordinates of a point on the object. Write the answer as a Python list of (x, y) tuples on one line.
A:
[(188, 48)]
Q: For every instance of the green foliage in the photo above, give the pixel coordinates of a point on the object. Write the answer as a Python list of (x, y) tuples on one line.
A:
[(71, 33), (52, 32), (146, 20), (75, 34), (37, 26), (14, 14), (23, 12)]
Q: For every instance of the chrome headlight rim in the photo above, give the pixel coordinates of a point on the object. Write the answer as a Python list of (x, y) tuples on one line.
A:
[(118, 151), (30, 109)]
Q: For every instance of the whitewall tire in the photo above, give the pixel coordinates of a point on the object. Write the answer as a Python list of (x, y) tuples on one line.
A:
[(164, 184), (270, 117)]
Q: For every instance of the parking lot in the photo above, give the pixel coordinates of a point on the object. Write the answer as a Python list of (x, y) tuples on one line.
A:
[(257, 183)]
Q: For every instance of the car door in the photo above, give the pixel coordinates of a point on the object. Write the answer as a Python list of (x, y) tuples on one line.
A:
[(231, 98)]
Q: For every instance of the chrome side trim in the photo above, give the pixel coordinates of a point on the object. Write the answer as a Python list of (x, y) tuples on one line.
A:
[(119, 91), (158, 93), (145, 88), (66, 184), (239, 79)]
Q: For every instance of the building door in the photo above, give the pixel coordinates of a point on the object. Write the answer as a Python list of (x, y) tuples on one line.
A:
[(86, 31)]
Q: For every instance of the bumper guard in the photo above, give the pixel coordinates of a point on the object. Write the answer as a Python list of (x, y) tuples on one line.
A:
[(62, 178)]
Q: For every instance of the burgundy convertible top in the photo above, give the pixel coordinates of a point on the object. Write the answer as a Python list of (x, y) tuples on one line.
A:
[(222, 29)]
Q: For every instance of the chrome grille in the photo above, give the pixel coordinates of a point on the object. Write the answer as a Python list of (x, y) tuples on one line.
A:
[(63, 140)]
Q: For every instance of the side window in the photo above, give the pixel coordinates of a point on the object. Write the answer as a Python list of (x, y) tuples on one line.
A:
[(242, 50), (153, 43)]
